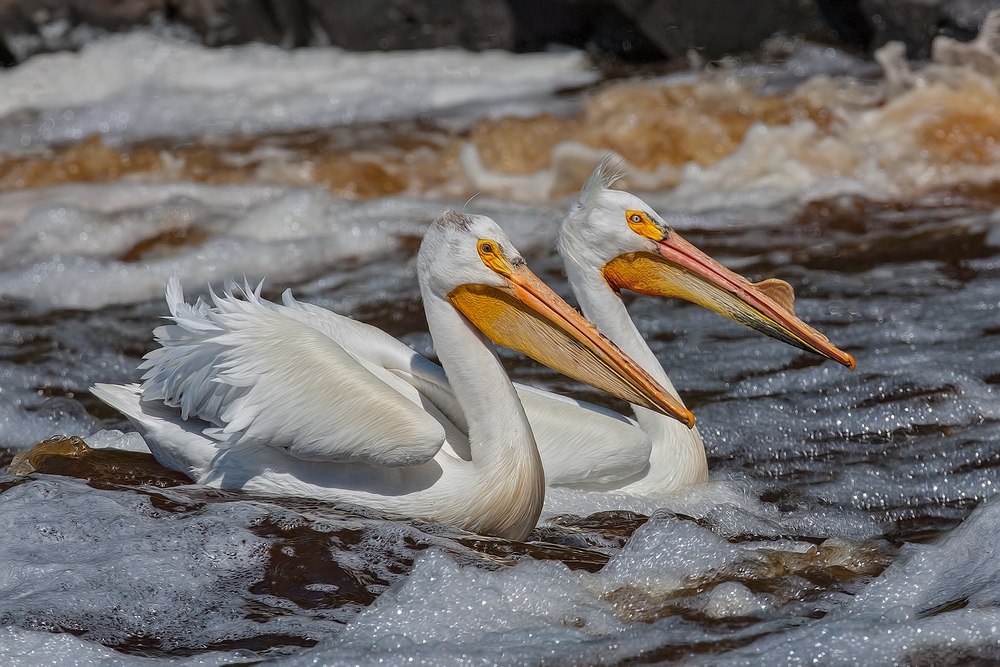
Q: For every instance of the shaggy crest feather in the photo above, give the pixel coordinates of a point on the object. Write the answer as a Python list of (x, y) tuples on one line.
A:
[(602, 178)]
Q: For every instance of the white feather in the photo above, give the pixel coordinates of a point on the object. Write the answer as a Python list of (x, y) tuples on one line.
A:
[(268, 374)]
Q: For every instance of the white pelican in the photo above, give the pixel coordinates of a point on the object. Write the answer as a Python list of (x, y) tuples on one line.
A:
[(293, 399), (612, 240)]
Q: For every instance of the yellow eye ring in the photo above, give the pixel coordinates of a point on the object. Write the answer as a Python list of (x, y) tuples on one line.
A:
[(490, 253), (640, 223)]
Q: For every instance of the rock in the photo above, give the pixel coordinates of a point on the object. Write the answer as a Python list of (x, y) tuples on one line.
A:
[(595, 25), (415, 24), (222, 22), (32, 460), (32, 26), (102, 468), (912, 22), (732, 26), (20, 16), (7, 58), (848, 23)]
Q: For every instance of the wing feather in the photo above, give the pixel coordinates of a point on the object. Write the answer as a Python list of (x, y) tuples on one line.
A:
[(427, 377), (263, 377)]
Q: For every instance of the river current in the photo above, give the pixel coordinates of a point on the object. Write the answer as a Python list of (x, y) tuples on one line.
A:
[(849, 517)]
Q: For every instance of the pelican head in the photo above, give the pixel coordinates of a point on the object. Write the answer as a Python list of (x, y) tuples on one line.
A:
[(623, 239), (468, 261)]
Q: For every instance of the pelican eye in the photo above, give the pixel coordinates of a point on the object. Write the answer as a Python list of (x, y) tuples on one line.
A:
[(490, 253), (635, 219)]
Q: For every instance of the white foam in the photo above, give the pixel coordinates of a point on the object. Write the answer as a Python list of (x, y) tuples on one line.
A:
[(663, 555), (696, 501), (887, 142), (731, 599), (445, 613), (963, 567), (941, 639), (731, 506), (434, 604), (899, 614), (138, 85), (117, 565), (60, 247), (114, 439)]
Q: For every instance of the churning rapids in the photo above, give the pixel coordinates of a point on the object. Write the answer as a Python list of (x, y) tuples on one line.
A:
[(849, 518)]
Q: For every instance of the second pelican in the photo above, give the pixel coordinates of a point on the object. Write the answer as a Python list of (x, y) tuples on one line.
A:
[(612, 240)]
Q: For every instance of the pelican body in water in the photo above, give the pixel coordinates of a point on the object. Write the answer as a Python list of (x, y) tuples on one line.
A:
[(612, 240), (293, 399)]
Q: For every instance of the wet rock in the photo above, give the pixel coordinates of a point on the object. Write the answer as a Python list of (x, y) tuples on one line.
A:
[(18, 16), (849, 23), (916, 23), (677, 26), (911, 22), (216, 22), (415, 24), (30, 461), (7, 57), (596, 25), (102, 468), (221, 22), (380, 25)]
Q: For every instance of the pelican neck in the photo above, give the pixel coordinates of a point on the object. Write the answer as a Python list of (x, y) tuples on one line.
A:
[(498, 428)]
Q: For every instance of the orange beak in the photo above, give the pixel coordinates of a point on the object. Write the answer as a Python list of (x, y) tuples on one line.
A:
[(678, 269), (529, 317)]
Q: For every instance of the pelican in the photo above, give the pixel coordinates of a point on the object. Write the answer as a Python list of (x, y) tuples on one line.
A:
[(612, 240), (293, 399)]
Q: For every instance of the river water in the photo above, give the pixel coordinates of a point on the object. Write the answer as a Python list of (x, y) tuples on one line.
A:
[(848, 517)]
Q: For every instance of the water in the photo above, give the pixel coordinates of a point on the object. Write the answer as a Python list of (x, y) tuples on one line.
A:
[(849, 517)]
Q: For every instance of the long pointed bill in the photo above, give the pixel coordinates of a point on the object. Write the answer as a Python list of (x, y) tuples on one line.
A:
[(678, 269), (531, 318)]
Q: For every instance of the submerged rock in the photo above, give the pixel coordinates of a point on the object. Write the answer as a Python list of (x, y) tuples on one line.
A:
[(103, 468)]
